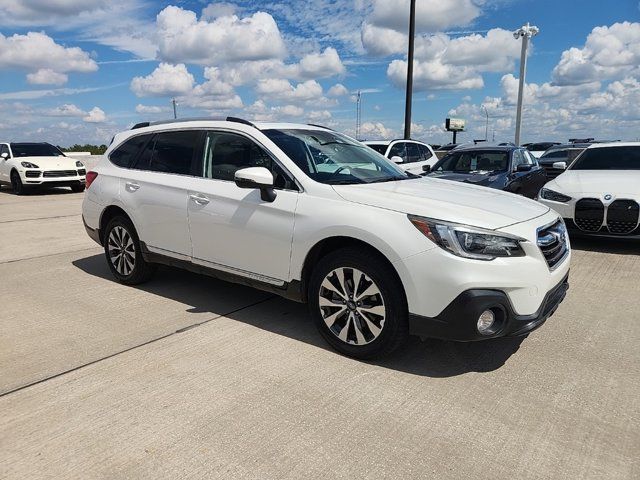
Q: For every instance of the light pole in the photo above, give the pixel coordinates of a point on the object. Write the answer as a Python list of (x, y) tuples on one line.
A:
[(175, 111), (407, 106), (525, 32), (486, 125)]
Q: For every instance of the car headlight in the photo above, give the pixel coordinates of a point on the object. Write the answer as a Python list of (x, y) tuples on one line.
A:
[(547, 194), (469, 242), (29, 165), (79, 164)]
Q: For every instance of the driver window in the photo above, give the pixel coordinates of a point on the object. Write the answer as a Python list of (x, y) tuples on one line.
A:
[(398, 150), (226, 153), (518, 159)]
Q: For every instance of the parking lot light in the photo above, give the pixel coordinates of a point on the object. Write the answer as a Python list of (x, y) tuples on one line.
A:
[(525, 32)]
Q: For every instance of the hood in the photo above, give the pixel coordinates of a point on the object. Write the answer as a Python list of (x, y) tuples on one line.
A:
[(478, 178), (51, 163), (615, 182), (445, 200)]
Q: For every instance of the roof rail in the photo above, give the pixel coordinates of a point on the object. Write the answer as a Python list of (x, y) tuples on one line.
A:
[(319, 126), (192, 119)]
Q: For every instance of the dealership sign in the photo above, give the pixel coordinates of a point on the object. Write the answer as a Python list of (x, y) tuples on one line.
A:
[(454, 124)]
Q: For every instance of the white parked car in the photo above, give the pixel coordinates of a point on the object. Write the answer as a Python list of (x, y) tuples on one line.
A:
[(25, 165), (317, 217), (410, 155), (599, 193)]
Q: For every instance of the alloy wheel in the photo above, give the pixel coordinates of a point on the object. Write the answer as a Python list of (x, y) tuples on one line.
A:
[(352, 306), (122, 253)]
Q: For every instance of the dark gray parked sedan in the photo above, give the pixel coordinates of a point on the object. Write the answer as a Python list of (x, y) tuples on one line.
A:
[(509, 168)]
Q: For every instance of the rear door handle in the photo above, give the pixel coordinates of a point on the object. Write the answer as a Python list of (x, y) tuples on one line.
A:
[(199, 199), (131, 186)]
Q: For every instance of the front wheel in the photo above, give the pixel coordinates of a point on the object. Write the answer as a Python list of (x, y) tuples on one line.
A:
[(358, 304), (16, 183), (124, 256)]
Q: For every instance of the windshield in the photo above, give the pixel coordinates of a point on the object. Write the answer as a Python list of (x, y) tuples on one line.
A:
[(35, 150), (482, 161), (609, 158), (335, 159)]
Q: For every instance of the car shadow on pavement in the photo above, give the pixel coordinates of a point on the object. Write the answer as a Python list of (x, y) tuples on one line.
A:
[(431, 358), (620, 246), (35, 191)]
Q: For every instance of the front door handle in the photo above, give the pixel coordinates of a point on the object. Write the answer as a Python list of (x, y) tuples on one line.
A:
[(199, 199), (131, 186)]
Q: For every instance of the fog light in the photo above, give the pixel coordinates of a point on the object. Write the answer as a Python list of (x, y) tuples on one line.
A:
[(485, 321)]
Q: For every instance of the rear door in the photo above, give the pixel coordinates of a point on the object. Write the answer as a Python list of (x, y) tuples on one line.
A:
[(233, 229), (155, 191)]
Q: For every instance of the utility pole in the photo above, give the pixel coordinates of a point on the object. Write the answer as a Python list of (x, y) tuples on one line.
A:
[(526, 32), (486, 125), (412, 34), (175, 112), (358, 113)]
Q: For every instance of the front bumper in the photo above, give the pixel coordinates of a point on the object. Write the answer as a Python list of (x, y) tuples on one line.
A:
[(458, 321)]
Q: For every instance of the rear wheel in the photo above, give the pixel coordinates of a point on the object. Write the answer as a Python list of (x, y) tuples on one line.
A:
[(358, 304), (124, 256), (16, 183)]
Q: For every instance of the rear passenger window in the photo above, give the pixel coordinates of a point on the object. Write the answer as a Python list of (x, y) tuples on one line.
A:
[(426, 153), (413, 153), (127, 152), (170, 152)]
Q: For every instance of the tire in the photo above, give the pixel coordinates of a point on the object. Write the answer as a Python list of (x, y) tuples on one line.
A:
[(129, 267), (16, 183), (374, 320), (77, 188)]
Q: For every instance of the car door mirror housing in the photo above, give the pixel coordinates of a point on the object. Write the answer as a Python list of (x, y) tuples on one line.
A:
[(524, 168), (4, 155), (396, 159), (426, 168), (257, 178), (560, 165)]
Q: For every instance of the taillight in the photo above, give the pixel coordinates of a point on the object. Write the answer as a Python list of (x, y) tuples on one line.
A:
[(89, 178)]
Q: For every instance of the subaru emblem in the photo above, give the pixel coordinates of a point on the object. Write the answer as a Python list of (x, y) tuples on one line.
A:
[(608, 197)]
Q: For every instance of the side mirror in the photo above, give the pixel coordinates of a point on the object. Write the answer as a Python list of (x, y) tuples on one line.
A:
[(560, 165), (257, 178), (396, 159), (4, 155), (524, 168), (426, 168)]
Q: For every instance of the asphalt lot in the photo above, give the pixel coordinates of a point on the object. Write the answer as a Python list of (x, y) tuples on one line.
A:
[(189, 377)]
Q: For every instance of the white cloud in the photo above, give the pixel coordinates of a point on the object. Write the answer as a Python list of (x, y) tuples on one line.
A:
[(39, 12), (166, 80), (219, 9), (377, 131), (338, 90), (65, 110), (46, 76), (434, 75), (184, 38), (37, 53), (319, 115), (609, 53), (95, 115), (289, 110), (150, 109), (320, 65)]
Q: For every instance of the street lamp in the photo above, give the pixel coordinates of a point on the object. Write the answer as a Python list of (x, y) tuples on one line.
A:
[(486, 125), (409, 92), (525, 32)]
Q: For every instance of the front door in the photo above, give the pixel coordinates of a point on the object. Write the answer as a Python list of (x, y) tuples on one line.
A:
[(233, 229)]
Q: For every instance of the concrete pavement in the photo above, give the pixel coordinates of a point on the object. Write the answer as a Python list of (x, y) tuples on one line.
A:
[(189, 377)]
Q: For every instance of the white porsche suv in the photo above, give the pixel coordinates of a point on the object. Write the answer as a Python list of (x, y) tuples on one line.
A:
[(27, 165), (317, 217)]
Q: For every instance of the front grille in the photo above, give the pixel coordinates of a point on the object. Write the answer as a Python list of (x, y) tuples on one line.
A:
[(552, 241), (589, 214), (60, 173), (551, 172), (622, 216), (82, 172), (32, 174)]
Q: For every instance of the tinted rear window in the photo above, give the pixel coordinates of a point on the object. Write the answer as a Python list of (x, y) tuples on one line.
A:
[(609, 158), (127, 152)]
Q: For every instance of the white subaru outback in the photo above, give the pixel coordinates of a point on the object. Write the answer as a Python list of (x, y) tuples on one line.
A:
[(317, 217)]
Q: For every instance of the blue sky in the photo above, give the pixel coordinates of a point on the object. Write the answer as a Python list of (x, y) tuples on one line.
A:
[(76, 71)]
